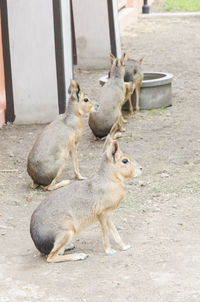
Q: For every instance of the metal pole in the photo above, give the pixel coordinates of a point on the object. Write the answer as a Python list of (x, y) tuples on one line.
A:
[(145, 8)]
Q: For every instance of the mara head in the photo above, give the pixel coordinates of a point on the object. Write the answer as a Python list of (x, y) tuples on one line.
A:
[(83, 103), (120, 164), (139, 61), (117, 64)]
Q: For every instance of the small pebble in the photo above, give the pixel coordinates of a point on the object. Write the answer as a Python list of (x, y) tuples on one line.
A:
[(164, 175)]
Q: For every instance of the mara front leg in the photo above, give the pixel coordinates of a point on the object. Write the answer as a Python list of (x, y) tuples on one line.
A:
[(73, 153), (103, 222), (137, 90), (116, 235), (130, 99), (123, 120)]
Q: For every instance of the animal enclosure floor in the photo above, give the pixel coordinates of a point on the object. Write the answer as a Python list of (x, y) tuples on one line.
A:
[(160, 216)]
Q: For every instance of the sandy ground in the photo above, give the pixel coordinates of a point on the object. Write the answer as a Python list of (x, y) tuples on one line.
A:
[(160, 216)]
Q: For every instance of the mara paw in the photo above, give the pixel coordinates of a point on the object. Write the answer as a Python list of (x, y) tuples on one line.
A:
[(82, 256), (110, 251), (125, 247), (80, 177)]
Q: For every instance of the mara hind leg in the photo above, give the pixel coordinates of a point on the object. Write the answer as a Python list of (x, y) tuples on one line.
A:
[(34, 185), (123, 102), (130, 108), (129, 89), (53, 185), (116, 235), (114, 132), (95, 138), (130, 104), (99, 138), (61, 241)]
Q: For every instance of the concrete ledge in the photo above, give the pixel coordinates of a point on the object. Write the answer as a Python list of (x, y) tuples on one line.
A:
[(170, 15), (130, 14), (127, 16), (156, 79)]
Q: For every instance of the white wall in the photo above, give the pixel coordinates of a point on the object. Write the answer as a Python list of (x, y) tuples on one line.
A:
[(33, 64), (92, 33)]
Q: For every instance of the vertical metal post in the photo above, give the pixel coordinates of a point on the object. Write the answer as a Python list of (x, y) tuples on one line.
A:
[(145, 8), (10, 110), (111, 28), (59, 52)]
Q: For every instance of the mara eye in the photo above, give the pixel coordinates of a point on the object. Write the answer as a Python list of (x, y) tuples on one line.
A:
[(86, 100), (125, 160)]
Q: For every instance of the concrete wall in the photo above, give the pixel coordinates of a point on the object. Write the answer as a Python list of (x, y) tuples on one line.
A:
[(2, 84), (92, 32), (33, 63)]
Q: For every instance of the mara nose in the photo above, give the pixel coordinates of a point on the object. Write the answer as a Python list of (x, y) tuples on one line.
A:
[(96, 107), (141, 169)]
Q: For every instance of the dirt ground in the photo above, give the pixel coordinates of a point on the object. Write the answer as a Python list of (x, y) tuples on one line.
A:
[(160, 216)]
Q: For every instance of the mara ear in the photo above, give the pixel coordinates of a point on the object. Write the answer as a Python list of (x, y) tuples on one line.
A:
[(123, 58), (78, 88), (112, 58), (72, 84), (107, 143), (74, 89), (115, 150), (141, 59), (112, 151)]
